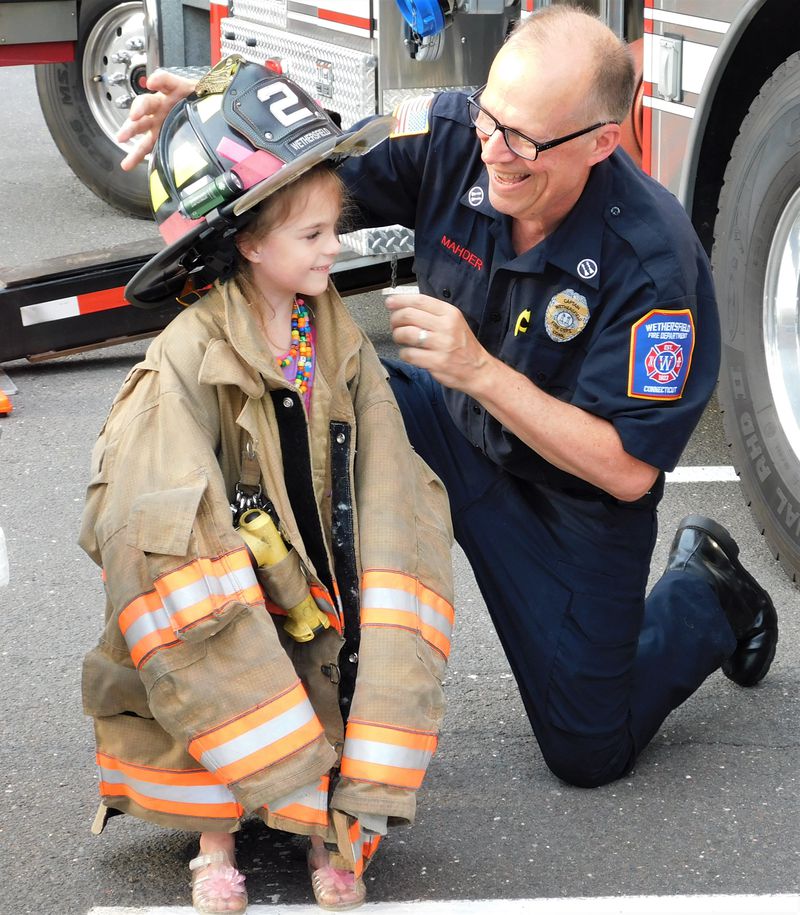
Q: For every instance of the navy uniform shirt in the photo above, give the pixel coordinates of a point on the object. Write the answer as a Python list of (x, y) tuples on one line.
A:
[(614, 312)]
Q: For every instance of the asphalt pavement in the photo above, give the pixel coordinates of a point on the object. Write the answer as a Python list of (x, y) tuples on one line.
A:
[(711, 809)]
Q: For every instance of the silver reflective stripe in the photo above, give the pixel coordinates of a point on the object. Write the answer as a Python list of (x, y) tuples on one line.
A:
[(258, 737), (145, 625), (325, 605), (435, 620), (184, 794), (386, 754), (403, 602), (390, 599), (226, 585)]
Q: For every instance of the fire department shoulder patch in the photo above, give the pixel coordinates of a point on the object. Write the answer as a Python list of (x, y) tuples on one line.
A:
[(413, 116), (661, 355)]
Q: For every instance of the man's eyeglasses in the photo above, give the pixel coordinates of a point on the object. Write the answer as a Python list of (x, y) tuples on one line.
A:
[(517, 142)]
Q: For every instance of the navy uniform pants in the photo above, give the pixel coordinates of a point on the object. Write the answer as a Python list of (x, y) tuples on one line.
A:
[(598, 666)]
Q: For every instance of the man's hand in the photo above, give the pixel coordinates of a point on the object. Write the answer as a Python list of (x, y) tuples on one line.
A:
[(148, 112), (435, 336)]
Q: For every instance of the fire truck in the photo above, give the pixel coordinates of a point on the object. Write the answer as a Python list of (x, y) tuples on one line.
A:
[(716, 119)]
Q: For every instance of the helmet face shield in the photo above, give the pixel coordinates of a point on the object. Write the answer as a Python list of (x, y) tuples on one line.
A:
[(243, 134)]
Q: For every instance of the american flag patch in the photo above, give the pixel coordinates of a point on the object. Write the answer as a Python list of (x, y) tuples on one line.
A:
[(413, 116)]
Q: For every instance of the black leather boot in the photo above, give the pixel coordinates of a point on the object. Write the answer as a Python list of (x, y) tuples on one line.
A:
[(704, 547)]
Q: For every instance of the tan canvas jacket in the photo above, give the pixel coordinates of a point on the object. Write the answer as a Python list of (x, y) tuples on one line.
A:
[(204, 709)]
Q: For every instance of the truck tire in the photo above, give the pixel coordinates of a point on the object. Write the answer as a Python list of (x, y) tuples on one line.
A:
[(756, 260), (85, 102)]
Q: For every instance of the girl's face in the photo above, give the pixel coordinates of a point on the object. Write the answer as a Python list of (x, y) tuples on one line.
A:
[(297, 255)]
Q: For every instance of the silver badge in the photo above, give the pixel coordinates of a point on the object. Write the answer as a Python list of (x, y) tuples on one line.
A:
[(566, 316)]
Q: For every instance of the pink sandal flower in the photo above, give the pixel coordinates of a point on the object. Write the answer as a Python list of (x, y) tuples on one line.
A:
[(217, 887), (334, 889)]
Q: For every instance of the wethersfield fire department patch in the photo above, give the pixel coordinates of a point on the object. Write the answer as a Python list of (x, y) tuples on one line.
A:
[(566, 316), (661, 355)]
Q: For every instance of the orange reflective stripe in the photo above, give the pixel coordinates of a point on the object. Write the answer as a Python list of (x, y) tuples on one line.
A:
[(320, 599), (387, 755), (381, 775), (269, 755), (146, 627), (364, 846), (259, 738), (323, 601), (424, 741), (192, 571), (140, 606), (146, 646), (204, 586), (185, 792), (306, 805), (377, 578), (183, 598), (395, 599)]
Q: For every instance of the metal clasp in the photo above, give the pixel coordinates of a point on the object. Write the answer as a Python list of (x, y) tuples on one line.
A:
[(332, 672)]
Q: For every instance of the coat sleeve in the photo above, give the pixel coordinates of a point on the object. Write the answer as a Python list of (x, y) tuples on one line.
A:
[(385, 183), (184, 608), (406, 617)]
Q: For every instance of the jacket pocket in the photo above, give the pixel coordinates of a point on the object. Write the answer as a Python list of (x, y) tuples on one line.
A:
[(285, 582), (110, 686), (92, 535), (200, 583), (161, 522)]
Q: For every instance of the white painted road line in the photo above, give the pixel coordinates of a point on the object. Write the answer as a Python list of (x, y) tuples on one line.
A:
[(702, 474), (607, 905)]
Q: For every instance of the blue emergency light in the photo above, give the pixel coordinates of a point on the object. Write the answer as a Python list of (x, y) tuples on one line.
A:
[(424, 17)]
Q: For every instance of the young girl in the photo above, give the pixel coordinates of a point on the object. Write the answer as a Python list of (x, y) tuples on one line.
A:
[(264, 395)]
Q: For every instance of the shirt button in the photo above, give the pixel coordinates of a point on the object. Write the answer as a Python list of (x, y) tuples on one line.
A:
[(495, 316), (446, 293), (476, 408), (540, 376), (615, 211), (340, 438), (353, 658), (288, 402)]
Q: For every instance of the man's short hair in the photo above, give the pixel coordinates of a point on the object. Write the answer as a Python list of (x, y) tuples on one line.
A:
[(614, 78)]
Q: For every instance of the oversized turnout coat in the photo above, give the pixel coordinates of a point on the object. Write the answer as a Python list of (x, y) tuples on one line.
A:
[(204, 709)]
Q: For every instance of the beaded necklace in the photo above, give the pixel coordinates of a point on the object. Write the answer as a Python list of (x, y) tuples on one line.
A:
[(300, 349)]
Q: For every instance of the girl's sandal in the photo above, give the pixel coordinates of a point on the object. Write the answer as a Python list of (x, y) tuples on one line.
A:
[(334, 889), (217, 887)]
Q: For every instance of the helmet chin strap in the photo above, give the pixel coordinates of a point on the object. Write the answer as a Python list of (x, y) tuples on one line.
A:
[(214, 265)]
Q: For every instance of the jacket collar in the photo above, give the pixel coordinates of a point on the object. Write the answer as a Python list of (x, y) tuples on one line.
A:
[(239, 357)]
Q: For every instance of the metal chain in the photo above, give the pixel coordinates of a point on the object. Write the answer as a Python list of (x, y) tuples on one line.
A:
[(245, 498)]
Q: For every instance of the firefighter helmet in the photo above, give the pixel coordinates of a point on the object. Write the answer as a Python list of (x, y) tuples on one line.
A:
[(241, 135)]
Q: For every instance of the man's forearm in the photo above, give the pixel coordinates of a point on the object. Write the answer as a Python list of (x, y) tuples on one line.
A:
[(567, 436)]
